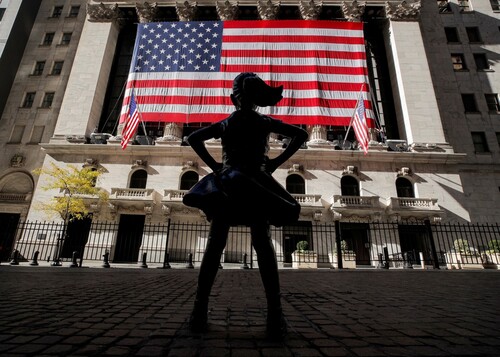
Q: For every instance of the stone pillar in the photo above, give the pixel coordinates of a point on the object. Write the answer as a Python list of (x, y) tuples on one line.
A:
[(268, 10), (226, 10), (86, 89), (172, 132), (309, 10), (416, 106)]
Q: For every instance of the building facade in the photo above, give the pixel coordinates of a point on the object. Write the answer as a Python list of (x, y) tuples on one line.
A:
[(434, 157)]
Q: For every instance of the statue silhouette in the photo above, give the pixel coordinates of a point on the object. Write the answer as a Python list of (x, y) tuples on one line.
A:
[(241, 191)]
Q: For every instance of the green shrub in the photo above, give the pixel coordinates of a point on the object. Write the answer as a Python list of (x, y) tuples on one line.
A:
[(494, 246), (461, 246), (302, 246)]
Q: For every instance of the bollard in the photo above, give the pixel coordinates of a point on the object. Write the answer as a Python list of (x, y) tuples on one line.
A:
[(105, 262), (380, 264), (386, 258), (15, 258), (34, 260), (166, 264), (56, 262), (245, 265), (74, 257), (190, 261), (144, 257), (408, 264)]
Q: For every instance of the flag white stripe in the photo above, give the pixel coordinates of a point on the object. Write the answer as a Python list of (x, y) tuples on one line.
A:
[(285, 61), (309, 46), (289, 32)]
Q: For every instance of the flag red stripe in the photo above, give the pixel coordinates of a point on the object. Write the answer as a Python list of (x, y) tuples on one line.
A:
[(294, 54), (184, 83), (290, 102), (293, 38), (293, 24)]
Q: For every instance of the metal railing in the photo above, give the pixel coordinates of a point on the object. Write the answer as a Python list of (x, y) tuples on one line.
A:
[(336, 244)]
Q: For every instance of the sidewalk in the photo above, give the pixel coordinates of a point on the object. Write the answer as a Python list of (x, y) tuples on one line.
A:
[(60, 311)]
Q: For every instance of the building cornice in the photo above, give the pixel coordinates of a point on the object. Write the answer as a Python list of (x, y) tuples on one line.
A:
[(316, 154)]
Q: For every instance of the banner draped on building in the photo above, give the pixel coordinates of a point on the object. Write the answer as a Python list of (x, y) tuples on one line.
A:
[(183, 71)]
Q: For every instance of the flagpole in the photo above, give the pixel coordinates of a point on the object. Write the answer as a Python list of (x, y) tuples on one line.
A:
[(353, 113)]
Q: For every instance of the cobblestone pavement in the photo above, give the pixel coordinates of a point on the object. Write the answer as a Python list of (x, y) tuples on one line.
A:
[(61, 311)]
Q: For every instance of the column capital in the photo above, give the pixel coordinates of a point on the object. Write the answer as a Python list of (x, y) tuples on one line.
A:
[(226, 10), (103, 13), (267, 10), (403, 11), (309, 10), (146, 12), (354, 11), (186, 11)]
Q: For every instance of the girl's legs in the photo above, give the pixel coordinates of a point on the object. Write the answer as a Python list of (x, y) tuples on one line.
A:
[(268, 268), (208, 270)]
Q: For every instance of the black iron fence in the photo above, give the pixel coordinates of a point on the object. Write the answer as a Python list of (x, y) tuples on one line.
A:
[(306, 244)]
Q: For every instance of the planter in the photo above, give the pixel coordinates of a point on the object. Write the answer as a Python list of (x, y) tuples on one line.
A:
[(491, 260), (463, 261), (304, 260), (348, 260)]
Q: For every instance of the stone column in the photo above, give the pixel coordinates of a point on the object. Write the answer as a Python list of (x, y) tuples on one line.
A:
[(86, 89), (172, 132), (309, 10), (226, 10), (416, 106)]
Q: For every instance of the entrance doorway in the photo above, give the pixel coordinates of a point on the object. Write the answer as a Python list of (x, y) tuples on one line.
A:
[(301, 231), (414, 240), (8, 222), (129, 238), (356, 237), (77, 235)]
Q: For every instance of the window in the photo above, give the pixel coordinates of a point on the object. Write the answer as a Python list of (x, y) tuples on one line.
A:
[(57, 68), (492, 101), (495, 5), (295, 184), (48, 38), (2, 11), (74, 10), (66, 38), (473, 34), (479, 141), (444, 6), (57, 11), (17, 134), (139, 179), (29, 98), (47, 100), (349, 186), (451, 34), (481, 60), (36, 134), (38, 70), (464, 5), (189, 179), (469, 103), (458, 62), (404, 187), (498, 138)]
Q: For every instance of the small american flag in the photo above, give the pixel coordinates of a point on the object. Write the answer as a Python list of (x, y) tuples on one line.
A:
[(132, 122), (183, 71), (360, 126)]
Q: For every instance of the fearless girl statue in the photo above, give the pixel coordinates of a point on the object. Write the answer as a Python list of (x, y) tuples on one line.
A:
[(241, 191)]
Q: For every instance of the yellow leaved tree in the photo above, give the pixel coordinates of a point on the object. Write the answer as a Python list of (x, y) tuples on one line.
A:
[(77, 189)]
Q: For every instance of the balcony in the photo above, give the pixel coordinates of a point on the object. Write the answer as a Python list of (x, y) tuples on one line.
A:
[(308, 200), (173, 195), (356, 205), (407, 207), (15, 197), (134, 198)]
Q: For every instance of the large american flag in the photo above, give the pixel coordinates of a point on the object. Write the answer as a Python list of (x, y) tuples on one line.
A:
[(183, 71)]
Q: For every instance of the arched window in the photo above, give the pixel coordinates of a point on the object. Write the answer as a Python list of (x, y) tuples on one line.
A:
[(349, 186), (139, 179), (188, 180), (404, 187), (295, 184)]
